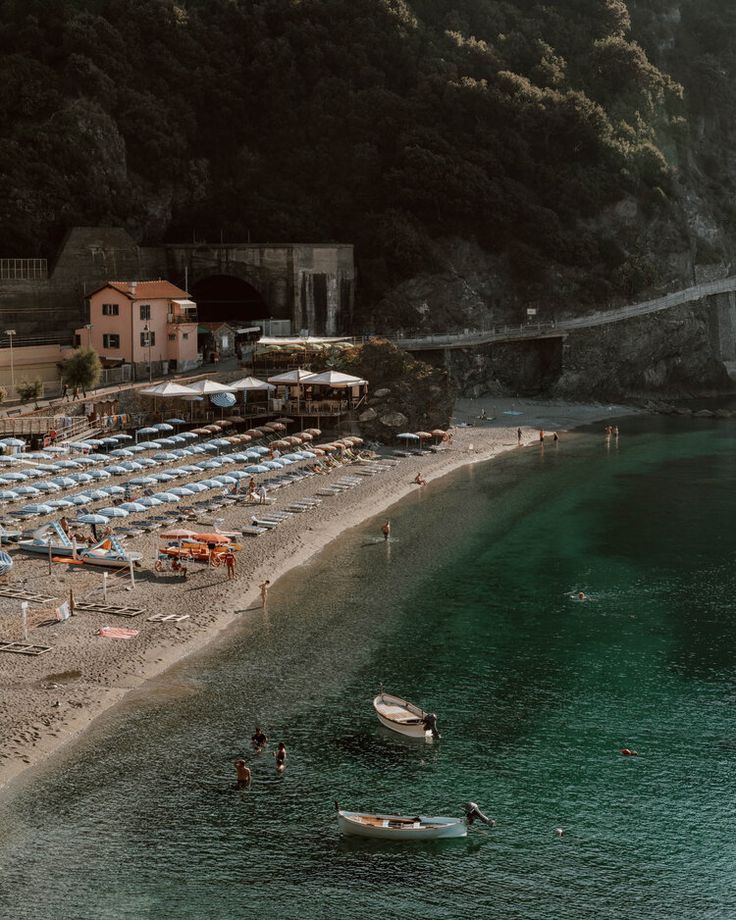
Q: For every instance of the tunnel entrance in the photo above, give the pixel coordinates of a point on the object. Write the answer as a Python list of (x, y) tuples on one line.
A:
[(224, 298)]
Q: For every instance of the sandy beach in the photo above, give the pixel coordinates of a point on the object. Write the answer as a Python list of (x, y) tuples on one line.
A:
[(47, 701)]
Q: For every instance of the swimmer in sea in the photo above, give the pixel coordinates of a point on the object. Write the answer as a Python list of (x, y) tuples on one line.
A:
[(243, 773), (627, 752), (259, 739), (582, 596), (281, 758)]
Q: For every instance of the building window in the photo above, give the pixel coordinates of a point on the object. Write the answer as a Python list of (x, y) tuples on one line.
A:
[(145, 311), (110, 309), (172, 337), (225, 342), (185, 335), (148, 338), (110, 341)]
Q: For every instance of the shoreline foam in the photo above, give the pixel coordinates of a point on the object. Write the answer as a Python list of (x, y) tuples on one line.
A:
[(47, 702)]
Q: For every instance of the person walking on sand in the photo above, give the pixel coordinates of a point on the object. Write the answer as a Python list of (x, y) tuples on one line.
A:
[(244, 775), (281, 758), (262, 493), (518, 436), (264, 592), (386, 530), (229, 560)]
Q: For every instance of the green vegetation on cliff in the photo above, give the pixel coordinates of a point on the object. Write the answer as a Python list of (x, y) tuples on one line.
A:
[(389, 123)]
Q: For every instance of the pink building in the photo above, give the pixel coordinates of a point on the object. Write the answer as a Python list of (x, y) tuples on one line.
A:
[(145, 323)]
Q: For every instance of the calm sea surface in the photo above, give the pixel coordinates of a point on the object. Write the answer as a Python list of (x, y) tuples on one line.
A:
[(469, 612)]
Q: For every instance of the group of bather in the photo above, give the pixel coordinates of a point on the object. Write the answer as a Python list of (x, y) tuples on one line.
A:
[(258, 741)]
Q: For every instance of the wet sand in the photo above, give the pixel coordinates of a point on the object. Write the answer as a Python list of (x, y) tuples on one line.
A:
[(46, 701)]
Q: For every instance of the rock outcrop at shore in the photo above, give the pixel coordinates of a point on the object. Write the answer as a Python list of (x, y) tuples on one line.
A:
[(409, 394)]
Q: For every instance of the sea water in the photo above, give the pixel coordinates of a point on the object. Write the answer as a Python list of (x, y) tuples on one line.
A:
[(471, 612)]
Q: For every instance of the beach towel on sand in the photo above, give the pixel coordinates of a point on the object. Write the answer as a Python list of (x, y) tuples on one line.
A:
[(117, 632)]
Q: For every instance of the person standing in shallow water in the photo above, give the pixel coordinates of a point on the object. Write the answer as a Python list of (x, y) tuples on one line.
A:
[(244, 775), (386, 530), (264, 592), (518, 435)]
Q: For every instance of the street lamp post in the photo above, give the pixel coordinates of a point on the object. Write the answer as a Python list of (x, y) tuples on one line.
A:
[(10, 333), (147, 332)]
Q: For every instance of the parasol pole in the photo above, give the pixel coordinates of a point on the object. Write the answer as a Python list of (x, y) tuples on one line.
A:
[(24, 619)]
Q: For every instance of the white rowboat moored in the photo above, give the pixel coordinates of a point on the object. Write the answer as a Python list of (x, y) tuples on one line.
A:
[(400, 827), (401, 716)]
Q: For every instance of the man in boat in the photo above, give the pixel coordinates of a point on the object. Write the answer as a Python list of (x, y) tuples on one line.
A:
[(244, 775), (259, 739), (281, 758)]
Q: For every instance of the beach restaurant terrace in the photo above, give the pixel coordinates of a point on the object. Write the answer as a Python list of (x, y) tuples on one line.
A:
[(331, 393)]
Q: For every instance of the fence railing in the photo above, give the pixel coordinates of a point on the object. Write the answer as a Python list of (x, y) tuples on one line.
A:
[(24, 269)]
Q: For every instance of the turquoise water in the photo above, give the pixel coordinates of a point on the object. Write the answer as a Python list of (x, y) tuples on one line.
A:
[(470, 612)]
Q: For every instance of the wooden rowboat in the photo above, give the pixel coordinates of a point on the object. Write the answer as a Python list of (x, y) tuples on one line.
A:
[(401, 716), (399, 827)]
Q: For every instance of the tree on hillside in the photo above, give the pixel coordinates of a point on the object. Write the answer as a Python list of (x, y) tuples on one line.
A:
[(82, 370)]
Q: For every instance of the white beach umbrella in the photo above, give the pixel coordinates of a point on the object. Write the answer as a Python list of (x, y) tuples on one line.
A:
[(132, 507), (93, 519), (208, 387), (169, 389)]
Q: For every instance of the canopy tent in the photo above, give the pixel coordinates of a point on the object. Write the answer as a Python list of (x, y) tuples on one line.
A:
[(169, 389), (336, 380), (292, 378)]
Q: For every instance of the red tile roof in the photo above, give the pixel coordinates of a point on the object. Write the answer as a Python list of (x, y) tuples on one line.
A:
[(146, 290)]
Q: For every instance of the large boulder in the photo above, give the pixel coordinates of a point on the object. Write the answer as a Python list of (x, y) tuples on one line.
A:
[(394, 420), (370, 415)]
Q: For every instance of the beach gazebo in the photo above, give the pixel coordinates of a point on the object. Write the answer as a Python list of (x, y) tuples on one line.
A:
[(348, 391), (293, 380)]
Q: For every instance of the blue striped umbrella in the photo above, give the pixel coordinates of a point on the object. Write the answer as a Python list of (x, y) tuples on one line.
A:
[(36, 509), (60, 503), (223, 400), (6, 563), (113, 512), (148, 501), (258, 468)]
